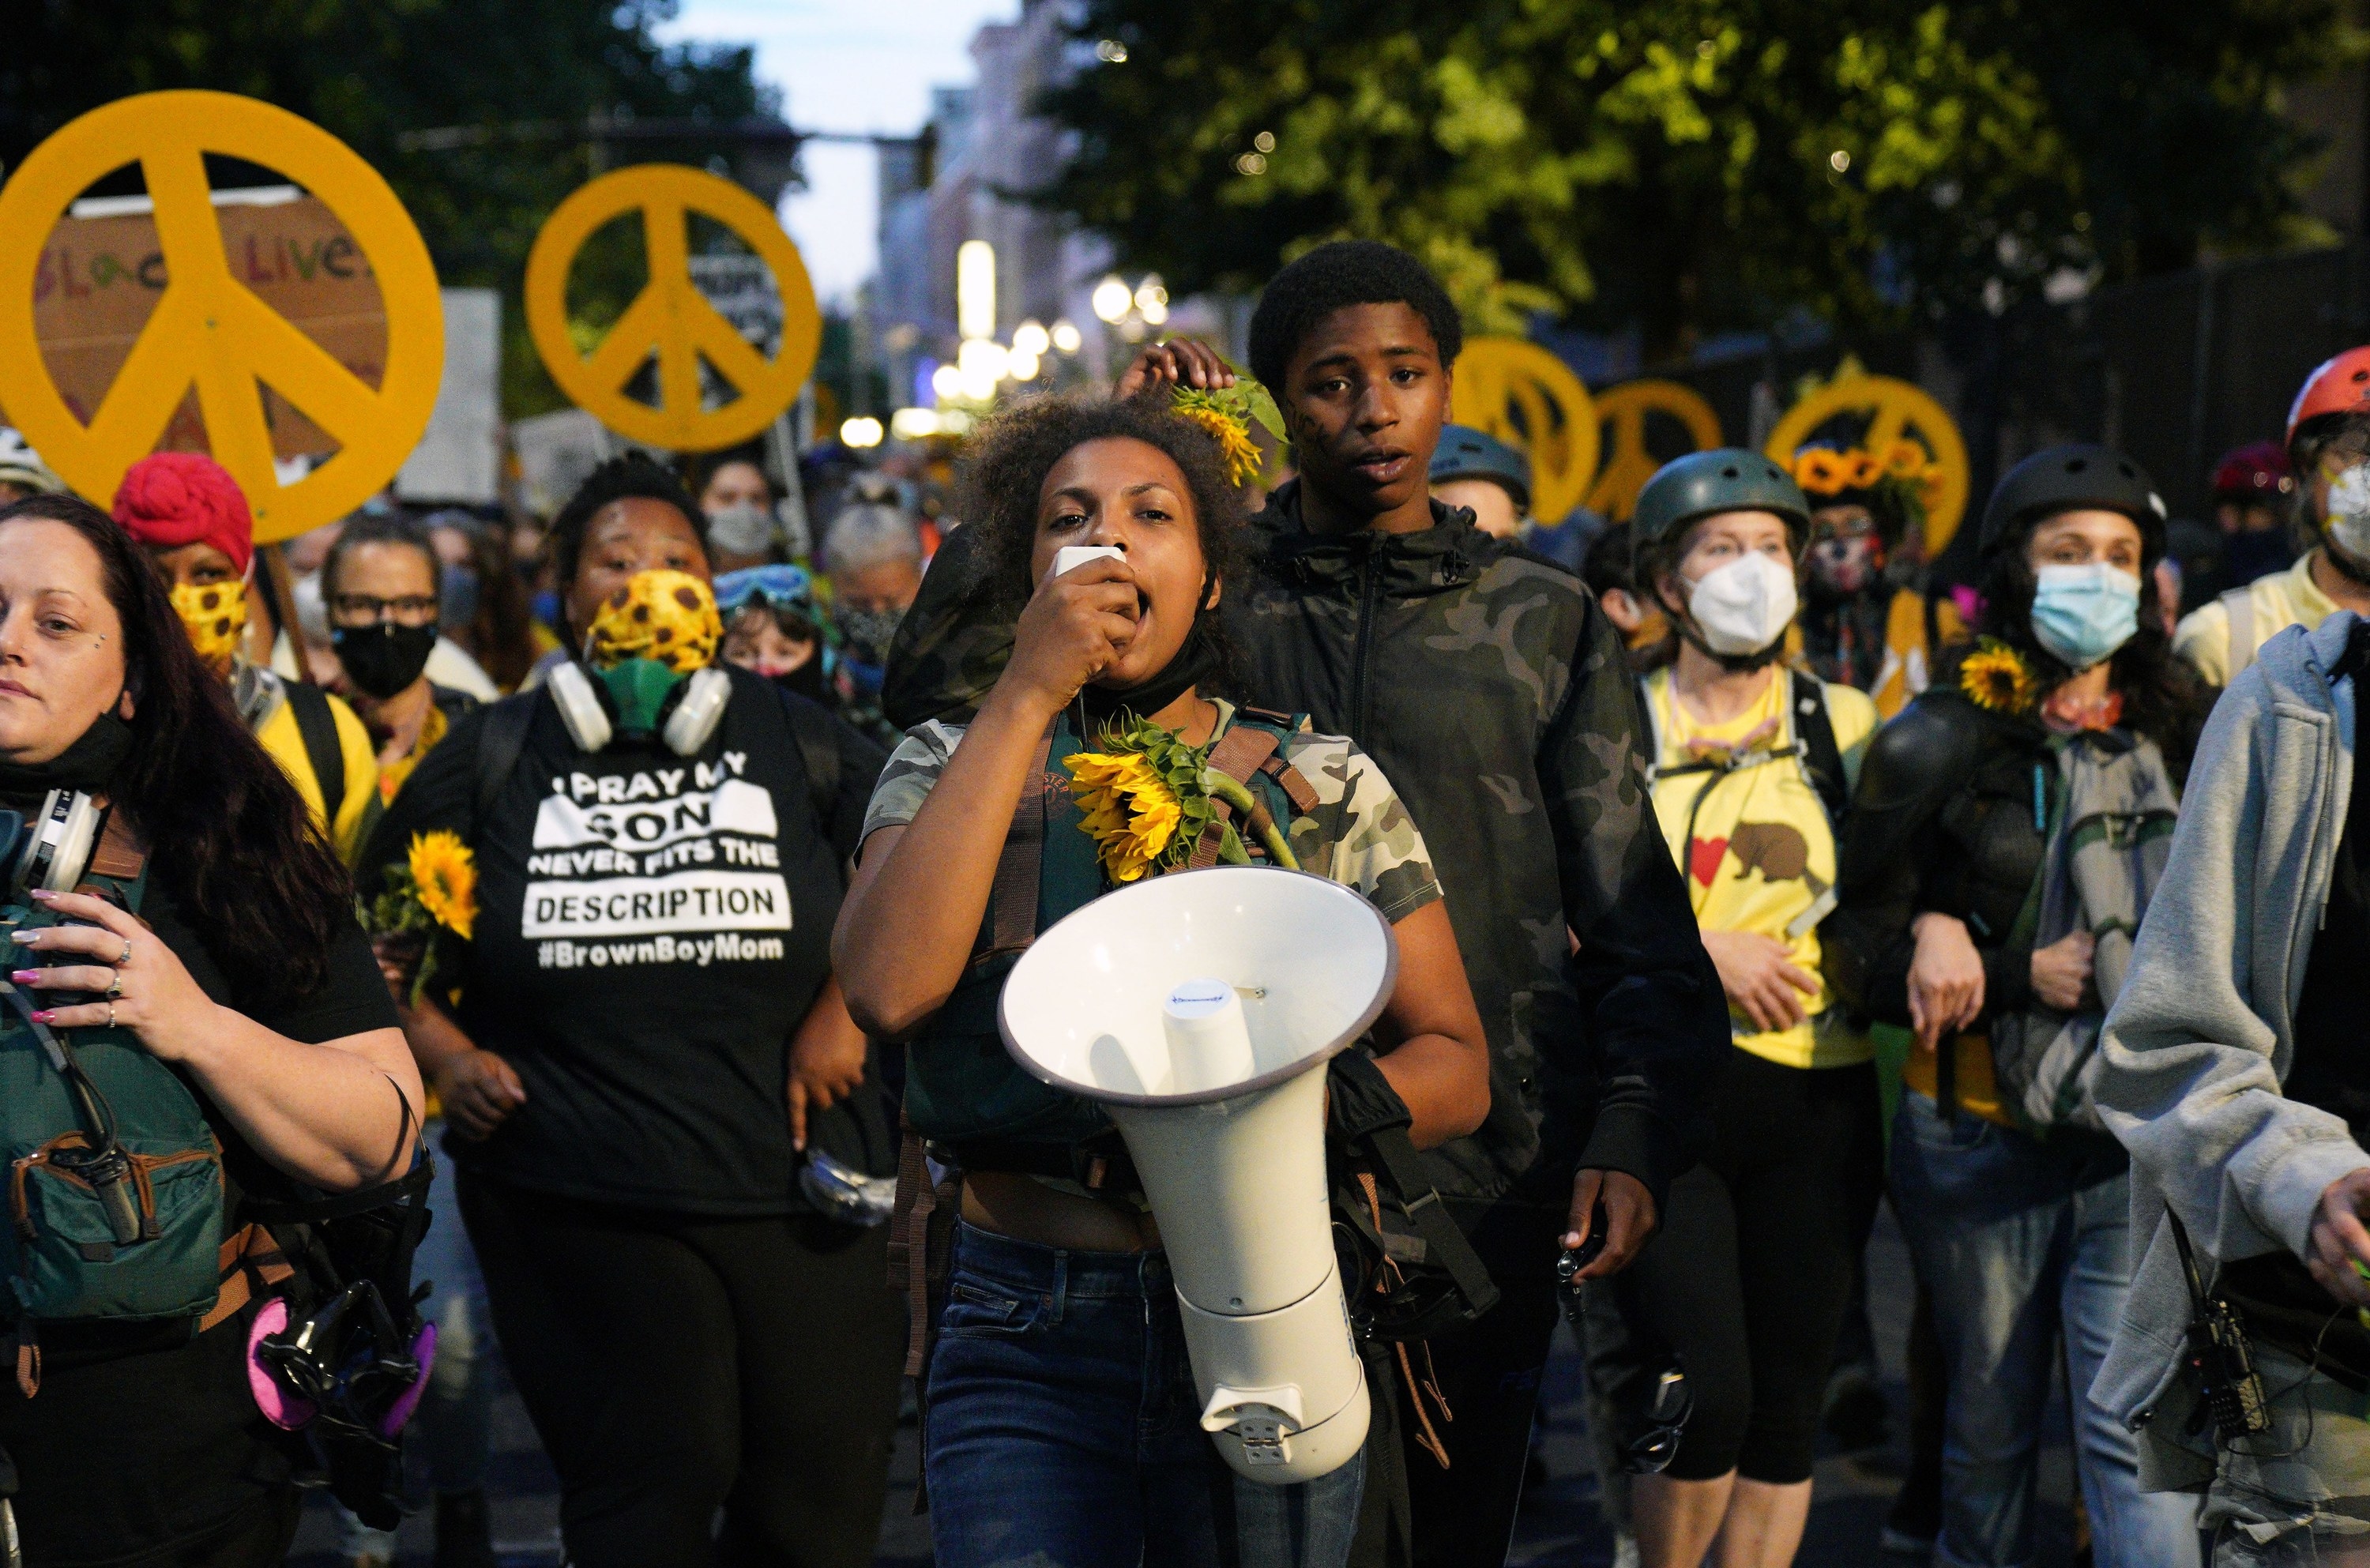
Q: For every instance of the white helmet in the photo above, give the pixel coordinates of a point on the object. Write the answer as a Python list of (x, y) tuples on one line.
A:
[(20, 464)]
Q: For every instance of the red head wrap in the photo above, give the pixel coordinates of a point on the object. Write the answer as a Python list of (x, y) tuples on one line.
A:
[(172, 499)]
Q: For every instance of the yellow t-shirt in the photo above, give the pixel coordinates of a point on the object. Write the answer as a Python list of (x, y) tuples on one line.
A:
[(1754, 844), (2280, 600), (279, 735)]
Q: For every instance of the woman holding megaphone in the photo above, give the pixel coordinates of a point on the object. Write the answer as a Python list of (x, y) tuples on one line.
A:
[(1061, 1419)]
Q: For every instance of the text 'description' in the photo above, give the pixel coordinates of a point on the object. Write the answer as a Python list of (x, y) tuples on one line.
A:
[(628, 906)]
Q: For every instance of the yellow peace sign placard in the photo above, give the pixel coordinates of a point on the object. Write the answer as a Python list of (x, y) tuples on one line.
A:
[(208, 330), (670, 317), (1530, 399), (1895, 411), (1630, 464)]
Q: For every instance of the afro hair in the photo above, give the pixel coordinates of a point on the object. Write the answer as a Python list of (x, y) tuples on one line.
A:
[(1345, 273), (630, 477)]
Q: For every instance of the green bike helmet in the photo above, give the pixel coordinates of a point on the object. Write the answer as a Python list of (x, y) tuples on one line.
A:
[(1465, 453), (1728, 479)]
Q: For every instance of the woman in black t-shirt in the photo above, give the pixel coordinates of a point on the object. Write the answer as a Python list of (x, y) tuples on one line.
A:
[(136, 1442), (645, 1026)]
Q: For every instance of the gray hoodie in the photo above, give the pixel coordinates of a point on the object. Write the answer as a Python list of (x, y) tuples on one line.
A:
[(2203, 1034)]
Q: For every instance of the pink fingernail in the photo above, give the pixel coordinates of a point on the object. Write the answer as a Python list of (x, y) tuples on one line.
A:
[(44, 895), (45, 1016), (24, 976)]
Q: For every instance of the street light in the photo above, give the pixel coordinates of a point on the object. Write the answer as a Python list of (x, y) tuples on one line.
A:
[(1152, 299), (1066, 336), (1023, 365), (1112, 299), (946, 381), (975, 289), (860, 431), (1029, 338)]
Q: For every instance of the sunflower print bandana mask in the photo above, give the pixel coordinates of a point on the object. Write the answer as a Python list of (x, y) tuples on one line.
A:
[(215, 614), (668, 617)]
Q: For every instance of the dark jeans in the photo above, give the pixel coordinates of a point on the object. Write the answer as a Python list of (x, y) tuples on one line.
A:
[(1064, 1432), (1490, 1374), (675, 1365)]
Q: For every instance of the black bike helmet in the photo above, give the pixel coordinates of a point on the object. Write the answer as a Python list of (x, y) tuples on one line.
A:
[(2062, 478), (1727, 479)]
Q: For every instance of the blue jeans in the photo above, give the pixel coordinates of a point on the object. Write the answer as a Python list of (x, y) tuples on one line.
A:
[(454, 1427), (2018, 1241), (1064, 1430)]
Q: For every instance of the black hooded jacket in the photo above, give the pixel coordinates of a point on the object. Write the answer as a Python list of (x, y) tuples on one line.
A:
[(1498, 702)]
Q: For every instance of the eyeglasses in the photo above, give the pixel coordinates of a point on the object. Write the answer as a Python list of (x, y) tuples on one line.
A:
[(362, 609)]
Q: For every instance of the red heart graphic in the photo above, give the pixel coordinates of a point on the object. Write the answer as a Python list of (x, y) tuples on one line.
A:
[(1704, 856)]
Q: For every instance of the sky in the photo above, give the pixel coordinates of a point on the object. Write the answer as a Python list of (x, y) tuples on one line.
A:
[(861, 65)]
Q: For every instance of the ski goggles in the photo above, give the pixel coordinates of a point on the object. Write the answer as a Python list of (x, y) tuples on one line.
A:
[(789, 587)]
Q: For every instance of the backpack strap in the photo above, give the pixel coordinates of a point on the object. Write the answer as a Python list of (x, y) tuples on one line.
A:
[(498, 745), (1823, 760), (1252, 747), (818, 743), (317, 725), (2238, 603), (1020, 867)]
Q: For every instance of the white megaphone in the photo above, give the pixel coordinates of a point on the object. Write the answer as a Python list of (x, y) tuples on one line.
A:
[(1200, 1009)]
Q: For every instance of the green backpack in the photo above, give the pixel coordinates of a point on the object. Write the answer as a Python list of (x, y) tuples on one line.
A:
[(115, 1180), (963, 1091)]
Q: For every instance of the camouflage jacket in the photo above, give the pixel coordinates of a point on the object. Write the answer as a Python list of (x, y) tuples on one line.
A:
[(1484, 683)]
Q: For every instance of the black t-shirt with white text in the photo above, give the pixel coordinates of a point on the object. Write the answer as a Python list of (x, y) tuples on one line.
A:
[(651, 930)]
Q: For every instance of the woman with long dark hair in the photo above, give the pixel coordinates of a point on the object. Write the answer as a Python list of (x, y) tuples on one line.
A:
[(242, 993), (2008, 829)]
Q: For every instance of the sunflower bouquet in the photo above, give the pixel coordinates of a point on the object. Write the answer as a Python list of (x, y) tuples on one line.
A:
[(435, 890), (1228, 413), (1147, 797), (1904, 476)]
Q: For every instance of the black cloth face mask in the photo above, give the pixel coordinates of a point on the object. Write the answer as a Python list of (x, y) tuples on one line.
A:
[(384, 659)]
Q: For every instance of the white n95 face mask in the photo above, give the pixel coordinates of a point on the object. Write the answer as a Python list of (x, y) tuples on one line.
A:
[(1745, 605), (2349, 512)]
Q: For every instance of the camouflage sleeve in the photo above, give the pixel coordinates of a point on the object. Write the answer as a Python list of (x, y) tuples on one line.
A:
[(912, 773), (1359, 833)]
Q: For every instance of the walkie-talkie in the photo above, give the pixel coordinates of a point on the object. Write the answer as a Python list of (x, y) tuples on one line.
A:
[(2228, 1386)]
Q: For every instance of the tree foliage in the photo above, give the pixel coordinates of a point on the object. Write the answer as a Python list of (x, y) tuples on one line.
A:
[(1696, 164), (369, 71)]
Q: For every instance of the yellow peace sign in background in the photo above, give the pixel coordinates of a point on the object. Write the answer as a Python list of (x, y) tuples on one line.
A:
[(1629, 465), (208, 329), (1529, 398), (670, 316), (1895, 411)]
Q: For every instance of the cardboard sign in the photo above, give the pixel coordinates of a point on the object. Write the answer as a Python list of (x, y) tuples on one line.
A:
[(208, 330), (1520, 393), (671, 319), (100, 279)]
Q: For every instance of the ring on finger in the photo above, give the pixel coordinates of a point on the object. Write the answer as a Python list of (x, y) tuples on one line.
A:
[(115, 986), (126, 957), (110, 1015)]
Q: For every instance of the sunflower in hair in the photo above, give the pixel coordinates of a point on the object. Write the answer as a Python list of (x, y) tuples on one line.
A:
[(1228, 413), (1994, 676)]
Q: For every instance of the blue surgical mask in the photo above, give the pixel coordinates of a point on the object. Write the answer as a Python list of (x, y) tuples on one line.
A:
[(2082, 614)]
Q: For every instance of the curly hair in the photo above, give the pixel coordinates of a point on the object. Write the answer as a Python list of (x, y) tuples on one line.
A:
[(1345, 273), (227, 829), (1018, 448), (627, 478)]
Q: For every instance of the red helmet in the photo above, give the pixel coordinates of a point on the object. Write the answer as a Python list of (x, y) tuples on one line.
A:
[(2341, 385), (2254, 472)]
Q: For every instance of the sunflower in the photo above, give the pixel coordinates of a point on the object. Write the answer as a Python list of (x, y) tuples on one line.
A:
[(1819, 471), (1905, 459), (1995, 677), (445, 875), (668, 617), (1131, 813), (1861, 471), (1236, 448)]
